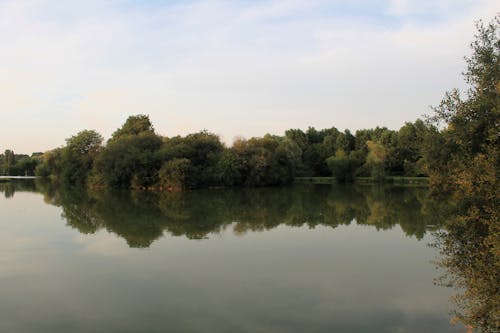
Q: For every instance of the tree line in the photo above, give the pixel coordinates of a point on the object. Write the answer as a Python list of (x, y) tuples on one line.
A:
[(136, 157), (12, 164)]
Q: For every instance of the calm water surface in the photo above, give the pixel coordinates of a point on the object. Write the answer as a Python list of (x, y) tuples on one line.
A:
[(296, 259)]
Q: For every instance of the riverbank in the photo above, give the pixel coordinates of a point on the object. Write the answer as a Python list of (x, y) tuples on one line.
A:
[(394, 180)]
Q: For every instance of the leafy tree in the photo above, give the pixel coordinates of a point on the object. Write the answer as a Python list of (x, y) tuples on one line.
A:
[(174, 174), (134, 125), (51, 164), (8, 161), (26, 166), (464, 160), (203, 150), (267, 161), (375, 160), (230, 168), (342, 166), (78, 156), (411, 145), (132, 160), (298, 136), (345, 141)]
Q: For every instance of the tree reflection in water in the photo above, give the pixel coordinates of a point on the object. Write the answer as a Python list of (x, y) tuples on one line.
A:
[(467, 250), (141, 217)]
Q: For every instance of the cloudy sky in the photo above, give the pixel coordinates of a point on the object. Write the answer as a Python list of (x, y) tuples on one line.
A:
[(235, 68)]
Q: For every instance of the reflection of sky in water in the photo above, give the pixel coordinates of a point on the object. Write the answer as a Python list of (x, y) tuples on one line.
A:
[(348, 279)]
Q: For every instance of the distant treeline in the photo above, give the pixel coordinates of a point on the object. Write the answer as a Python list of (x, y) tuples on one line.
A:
[(12, 164), (136, 157)]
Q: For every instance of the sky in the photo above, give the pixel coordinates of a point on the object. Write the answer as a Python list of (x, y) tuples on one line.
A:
[(238, 68)]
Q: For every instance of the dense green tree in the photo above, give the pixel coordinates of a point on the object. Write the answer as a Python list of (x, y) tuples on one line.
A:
[(203, 150), (131, 157), (130, 161), (231, 168), (174, 174), (410, 150), (26, 166), (78, 156), (269, 160), (342, 166), (134, 125), (51, 164), (8, 161), (298, 136)]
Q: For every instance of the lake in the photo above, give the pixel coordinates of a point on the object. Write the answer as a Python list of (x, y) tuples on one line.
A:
[(304, 258)]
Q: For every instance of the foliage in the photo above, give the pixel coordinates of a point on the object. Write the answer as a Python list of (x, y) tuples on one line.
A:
[(12, 164), (134, 125), (375, 160), (173, 174), (137, 157), (131, 161), (343, 166), (78, 156), (464, 161)]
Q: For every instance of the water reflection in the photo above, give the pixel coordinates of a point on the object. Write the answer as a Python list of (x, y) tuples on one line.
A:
[(142, 217), (469, 250), (9, 188), (349, 279)]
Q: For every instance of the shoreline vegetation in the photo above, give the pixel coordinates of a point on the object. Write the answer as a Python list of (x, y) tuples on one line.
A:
[(394, 180), (136, 157)]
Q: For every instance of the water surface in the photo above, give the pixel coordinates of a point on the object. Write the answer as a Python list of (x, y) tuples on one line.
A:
[(296, 259)]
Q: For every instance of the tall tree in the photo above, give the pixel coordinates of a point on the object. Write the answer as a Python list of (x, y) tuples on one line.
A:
[(9, 159), (78, 156), (470, 141)]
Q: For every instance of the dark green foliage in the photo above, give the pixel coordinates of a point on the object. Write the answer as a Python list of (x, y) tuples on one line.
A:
[(410, 147), (203, 150), (174, 174), (51, 164), (12, 164), (8, 161), (131, 161), (136, 157), (73, 163), (231, 168), (343, 166), (131, 157), (267, 161), (134, 125), (78, 156)]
